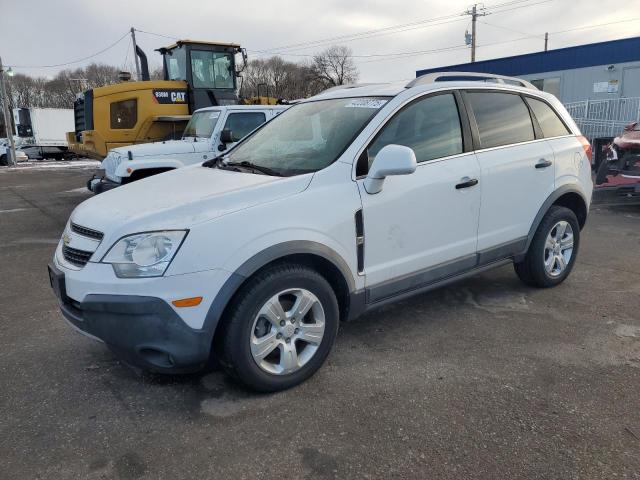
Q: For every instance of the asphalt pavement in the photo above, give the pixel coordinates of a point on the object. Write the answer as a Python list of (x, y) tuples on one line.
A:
[(484, 379)]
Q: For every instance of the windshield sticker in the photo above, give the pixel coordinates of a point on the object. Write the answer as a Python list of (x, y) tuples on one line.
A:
[(366, 103), (214, 115)]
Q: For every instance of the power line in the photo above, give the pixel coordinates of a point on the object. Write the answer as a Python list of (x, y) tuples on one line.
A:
[(395, 28), (158, 34), (509, 29), (417, 54), (527, 36), (458, 47), (518, 7), (584, 27), (126, 57), (365, 34), (75, 61)]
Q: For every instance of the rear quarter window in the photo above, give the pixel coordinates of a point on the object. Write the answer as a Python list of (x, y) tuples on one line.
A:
[(549, 121), (502, 118)]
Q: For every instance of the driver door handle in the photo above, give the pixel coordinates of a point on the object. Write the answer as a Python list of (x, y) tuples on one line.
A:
[(466, 182), (544, 163)]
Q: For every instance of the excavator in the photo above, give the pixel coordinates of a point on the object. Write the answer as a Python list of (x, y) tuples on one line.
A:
[(196, 75)]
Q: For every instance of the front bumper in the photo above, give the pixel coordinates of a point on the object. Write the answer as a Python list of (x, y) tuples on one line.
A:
[(142, 330)]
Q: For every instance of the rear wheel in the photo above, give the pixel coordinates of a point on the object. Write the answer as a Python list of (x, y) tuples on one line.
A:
[(280, 328), (552, 251)]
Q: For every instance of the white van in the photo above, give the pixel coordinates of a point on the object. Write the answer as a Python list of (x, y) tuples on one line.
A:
[(210, 131), (357, 197)]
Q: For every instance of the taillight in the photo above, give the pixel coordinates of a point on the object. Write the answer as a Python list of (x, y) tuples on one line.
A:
[(587, 147)]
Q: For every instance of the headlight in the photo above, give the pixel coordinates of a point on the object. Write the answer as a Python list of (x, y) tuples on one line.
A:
[(144, 254)]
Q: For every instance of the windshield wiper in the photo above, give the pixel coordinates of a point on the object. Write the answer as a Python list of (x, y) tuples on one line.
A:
[(214, 162), (253, 166)]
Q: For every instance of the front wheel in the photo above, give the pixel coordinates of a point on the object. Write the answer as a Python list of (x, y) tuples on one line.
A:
[(553, 250), (279, 329)]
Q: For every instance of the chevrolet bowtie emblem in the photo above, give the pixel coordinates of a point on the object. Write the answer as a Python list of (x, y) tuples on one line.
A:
[(66, 239)]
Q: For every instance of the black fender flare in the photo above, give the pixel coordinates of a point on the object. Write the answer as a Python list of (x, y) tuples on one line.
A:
[(259, 260), (551, 199)]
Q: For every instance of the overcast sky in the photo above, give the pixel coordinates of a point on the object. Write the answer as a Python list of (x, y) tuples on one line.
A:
[(45, 32)]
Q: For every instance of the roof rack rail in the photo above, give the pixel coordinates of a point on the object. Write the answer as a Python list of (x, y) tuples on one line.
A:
[(350, 85), (434, 76)]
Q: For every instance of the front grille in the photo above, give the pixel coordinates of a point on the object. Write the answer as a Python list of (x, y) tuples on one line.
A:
[(75, 256), (86, 232), (110, 165)]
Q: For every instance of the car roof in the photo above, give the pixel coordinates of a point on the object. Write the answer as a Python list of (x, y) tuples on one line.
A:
[(433, 81)]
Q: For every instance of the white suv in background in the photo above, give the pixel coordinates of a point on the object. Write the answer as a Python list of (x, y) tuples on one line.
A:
[(210, 131), (354, 198)]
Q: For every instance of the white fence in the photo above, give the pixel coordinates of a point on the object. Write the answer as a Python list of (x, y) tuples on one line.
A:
[(604, 118)]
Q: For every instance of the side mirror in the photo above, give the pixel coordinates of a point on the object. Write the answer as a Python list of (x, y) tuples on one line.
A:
[(226, 136), (390, 160)]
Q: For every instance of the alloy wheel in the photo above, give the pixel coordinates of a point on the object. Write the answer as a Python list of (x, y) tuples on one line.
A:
[(558, 248), (287, 331)]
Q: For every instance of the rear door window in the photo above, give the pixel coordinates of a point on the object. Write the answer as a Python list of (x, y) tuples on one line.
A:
[(549, 122), (502, 118)]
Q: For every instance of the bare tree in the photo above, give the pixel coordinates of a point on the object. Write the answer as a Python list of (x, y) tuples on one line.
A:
[(279, 78), (335, 66), (61, 90), (156, 73), (274, 77)]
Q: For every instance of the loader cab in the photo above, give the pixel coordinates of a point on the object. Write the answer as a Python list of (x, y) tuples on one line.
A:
[(208, 68)]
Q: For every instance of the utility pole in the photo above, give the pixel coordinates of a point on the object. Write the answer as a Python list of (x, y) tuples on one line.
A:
[(475, 12), (11, 154), (135, 54), (546, 41)]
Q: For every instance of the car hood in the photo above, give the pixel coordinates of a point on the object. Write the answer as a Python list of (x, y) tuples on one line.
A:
[(182, 198), (170, 147)]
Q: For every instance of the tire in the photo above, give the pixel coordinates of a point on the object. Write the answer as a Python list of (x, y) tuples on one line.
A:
[(4, 160), (603, 171), (539, 269), (248, 324)]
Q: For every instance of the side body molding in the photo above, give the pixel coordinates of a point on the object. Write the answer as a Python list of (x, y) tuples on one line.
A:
[(253, 264)]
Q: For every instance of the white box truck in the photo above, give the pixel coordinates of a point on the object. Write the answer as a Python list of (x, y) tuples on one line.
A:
[(41, 132)]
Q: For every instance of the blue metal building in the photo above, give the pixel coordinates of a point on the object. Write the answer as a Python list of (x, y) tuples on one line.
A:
[(596, 71)]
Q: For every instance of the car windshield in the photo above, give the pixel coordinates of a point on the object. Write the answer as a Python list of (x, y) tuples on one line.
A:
[(307, 137), (201, 124)]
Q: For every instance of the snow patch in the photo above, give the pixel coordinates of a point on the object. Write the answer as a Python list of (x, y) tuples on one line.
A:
[(52, 164), (11, 210)]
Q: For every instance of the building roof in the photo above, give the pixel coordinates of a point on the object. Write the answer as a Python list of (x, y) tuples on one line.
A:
[(602, 53)]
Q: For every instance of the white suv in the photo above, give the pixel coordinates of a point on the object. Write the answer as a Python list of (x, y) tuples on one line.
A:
[(210, 131), (354, 198)]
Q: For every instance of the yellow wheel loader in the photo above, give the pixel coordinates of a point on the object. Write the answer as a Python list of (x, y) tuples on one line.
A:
[(196, 75)]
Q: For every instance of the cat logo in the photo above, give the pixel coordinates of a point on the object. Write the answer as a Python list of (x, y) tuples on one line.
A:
[(178, 97), (170, 96)]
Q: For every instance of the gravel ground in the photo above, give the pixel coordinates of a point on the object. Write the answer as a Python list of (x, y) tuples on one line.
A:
[(486, 378)]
